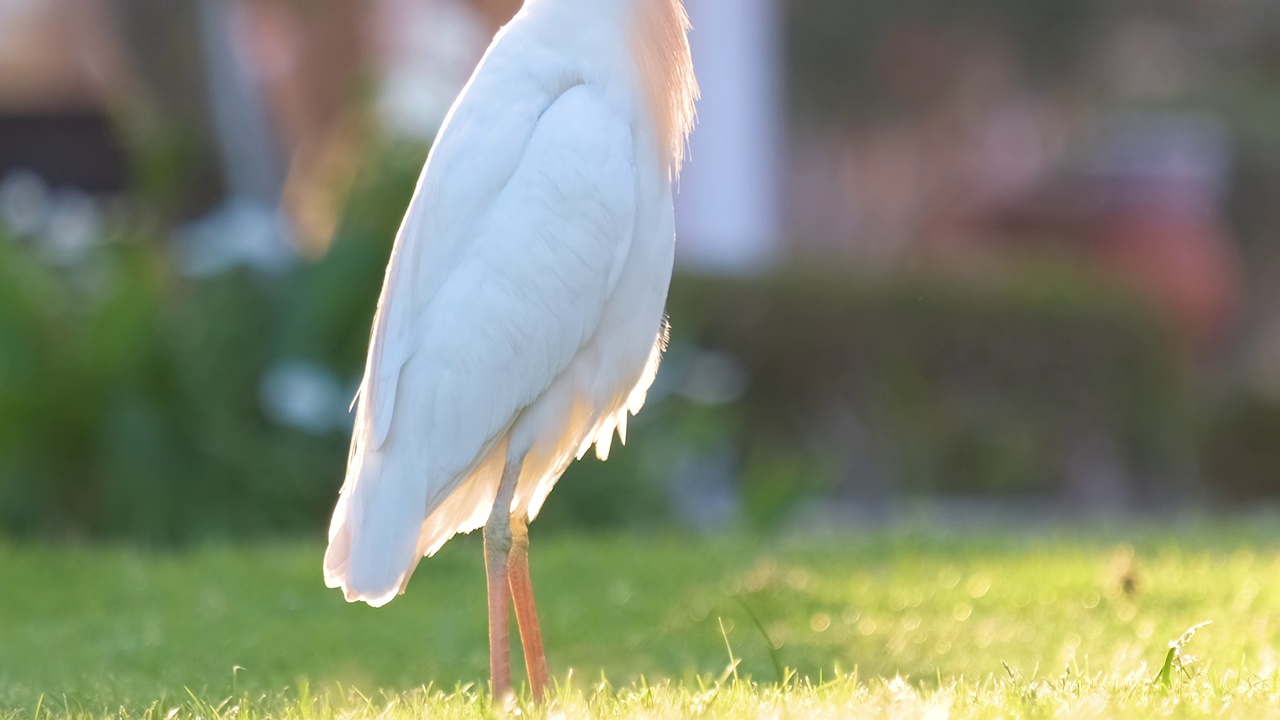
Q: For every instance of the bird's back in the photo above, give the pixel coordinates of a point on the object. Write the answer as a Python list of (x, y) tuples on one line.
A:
[(521, 314)]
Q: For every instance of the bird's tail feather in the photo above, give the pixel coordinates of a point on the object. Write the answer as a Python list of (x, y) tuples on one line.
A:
[(373, 537), (385, 522)]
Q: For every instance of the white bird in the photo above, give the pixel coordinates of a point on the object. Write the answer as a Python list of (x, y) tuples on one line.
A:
[(521, 316)]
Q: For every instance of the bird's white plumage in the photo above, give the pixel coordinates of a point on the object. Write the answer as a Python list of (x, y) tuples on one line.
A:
[(521, 314)]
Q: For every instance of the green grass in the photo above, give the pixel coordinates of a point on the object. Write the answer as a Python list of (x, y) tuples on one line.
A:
[(1064, 623)]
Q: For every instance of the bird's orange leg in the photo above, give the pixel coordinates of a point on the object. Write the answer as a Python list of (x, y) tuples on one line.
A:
[(497, 550), (535, 660)]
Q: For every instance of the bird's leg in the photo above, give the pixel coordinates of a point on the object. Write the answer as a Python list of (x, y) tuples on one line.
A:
[(497, 549), (535, 661)]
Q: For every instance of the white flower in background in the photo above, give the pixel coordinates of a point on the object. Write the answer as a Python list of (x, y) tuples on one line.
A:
[(240, 232), (713, 378), (24, 200), (304, 395), (72, 229), (63, 225), (703, 487)]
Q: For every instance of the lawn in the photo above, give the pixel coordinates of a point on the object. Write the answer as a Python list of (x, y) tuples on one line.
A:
[(1061, 622)]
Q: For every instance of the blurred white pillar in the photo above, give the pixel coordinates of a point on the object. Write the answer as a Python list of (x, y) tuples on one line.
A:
[(250, 153), (728, 207)]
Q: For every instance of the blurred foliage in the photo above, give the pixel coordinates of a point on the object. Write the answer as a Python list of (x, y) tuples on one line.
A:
[(130, 395), (945, 384), (130, 404)]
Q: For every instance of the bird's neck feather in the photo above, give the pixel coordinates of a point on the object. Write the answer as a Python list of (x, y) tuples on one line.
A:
[(660, 47)]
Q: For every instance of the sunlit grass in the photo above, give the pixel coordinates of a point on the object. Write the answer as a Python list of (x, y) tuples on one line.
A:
[(1064, 623)]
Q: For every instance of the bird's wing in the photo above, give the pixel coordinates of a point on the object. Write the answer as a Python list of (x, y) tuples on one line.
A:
[(458, 353), (476, 154)]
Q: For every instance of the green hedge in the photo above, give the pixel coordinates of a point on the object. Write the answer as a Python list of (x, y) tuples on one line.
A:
[(130, 395), (949, 384)]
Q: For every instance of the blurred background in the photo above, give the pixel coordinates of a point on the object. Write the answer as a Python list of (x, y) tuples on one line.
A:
[(990, 259)]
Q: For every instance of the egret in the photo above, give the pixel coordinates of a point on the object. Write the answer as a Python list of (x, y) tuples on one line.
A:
[(521, 317)]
